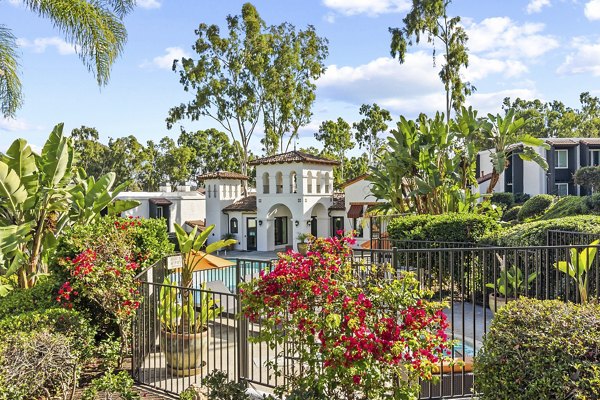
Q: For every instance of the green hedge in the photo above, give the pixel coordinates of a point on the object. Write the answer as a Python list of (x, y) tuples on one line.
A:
[(567, 206), (40, 297), (466, 228), (535, 233), (504, 199), (511, 214), (541, 350), (535, 206)]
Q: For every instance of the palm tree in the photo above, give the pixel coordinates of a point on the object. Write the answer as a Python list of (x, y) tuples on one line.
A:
[(94, 27), (502, 136)]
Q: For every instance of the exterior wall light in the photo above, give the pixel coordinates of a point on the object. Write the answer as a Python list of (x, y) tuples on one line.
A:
[(260, 222), (297, 223)]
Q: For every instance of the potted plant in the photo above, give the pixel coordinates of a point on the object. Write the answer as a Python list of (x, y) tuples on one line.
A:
[(510, 282), (184, 312), (303, 242)]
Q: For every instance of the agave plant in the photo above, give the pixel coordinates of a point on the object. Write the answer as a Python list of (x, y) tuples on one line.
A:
[(40, 195)]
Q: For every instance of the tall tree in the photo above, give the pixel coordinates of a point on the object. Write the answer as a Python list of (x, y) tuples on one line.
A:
[(206, 158), (94, 27), (336, 137), (92, 154), (430, 18), (226, 78), (501, 134), (368, 129), (174, 162), (296, 61)]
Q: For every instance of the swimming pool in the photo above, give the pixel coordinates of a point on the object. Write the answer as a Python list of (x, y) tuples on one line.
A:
[(229, 275)]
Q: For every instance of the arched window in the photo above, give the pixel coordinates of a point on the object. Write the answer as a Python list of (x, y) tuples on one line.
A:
[(319, 179), (293, 182), (208, 191), (215, 190), (233, 225), (309, 182), (236, 191), (327, 183), (265, 179), (230, 191), (279, 182)]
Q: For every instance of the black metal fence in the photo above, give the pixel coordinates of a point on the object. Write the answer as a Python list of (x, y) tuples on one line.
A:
[(562, 238), (468, 279)]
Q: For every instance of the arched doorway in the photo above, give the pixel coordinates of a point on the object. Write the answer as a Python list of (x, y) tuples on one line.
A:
[(319, 221), (279, 227)]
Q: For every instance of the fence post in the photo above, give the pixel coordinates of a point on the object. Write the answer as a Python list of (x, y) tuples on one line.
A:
[(242, 331), (395, 258)]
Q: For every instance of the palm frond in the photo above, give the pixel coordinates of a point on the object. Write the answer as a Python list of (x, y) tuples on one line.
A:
[(119, 7), (97, 33), (11, 95)]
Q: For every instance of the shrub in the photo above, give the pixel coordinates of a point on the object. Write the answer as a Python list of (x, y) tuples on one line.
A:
[(39, 297), (565, 207), (68, 323), (111, 384), (593, 203), (467, 228), (37, 365), (511, 214), (535, 206), (588, 177), (504, 199), (541, 350), (521, 198), (216, 386)]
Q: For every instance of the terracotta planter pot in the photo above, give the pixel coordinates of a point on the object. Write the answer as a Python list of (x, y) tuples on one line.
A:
[(185, 353), (496, 302), (303, 248)]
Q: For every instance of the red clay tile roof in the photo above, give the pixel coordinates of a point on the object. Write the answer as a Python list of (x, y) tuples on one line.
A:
[(562, 141), (293, 157), (200, 223), (339, 202), (222, 175), (247, 203), (591, 141), (159, 201)]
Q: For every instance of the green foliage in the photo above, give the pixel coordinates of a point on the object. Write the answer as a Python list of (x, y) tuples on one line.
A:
[(504, 199), (373, 123), (567, 206), (453, 227), (42, 195), (593, 203), (429, 19), (218, 387), (535, 206), (35, 365), (68, 323), (521, 198), (578, 267), (541, 350), (336, 138), (94, 28), (512, 281), (40, 297), (511, 214), (429, 165), (535, 233), (110, 385), (589, 177)]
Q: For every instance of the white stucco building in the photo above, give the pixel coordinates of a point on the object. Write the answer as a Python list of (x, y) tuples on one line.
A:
[(184, 206)]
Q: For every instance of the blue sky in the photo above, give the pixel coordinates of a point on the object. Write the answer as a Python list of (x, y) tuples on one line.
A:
[(547, 49)]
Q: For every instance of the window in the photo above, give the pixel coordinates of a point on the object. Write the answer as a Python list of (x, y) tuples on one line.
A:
[(358, 227), (160, 212), (233, 225), (594, 158), (327, 183), (265, 179), (281, 236), (293, 182), (337, 224), (279, 183), (309, 182), (562, 158), (319, 179), (562, 189)]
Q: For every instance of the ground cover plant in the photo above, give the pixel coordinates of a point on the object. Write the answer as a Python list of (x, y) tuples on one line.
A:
[(535, 206), (541, 350), (347, 334)]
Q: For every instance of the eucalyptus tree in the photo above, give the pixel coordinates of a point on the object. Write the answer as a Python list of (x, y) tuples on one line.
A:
[(93, 27), (429, 19), (373, 123), (502, 134), (336, 137), (296, 61), (206, 159)]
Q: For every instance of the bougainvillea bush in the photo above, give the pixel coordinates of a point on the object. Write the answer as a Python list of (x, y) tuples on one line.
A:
[(353, 338), (98, 264)]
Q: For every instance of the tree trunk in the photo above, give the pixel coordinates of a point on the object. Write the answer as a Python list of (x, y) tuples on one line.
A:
[(493, 181)]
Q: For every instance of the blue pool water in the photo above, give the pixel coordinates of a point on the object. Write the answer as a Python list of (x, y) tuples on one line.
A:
[(229, 275), (463, 349)]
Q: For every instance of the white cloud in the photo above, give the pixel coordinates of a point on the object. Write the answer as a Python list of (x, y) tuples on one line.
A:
[(39, 45), (165, 61), (15, 3), (535, 6), (370, 7), (148, 3), (584, 60), (480, 68), (500, 37), (14, 125), (329, 17), (592, 10), (491, 102)]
